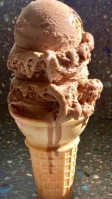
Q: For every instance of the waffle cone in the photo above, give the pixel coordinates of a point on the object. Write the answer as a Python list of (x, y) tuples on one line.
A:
[(53, 151), (54, 170)]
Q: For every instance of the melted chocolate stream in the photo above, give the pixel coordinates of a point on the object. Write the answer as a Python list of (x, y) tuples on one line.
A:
[(50, 145), (58, 134)]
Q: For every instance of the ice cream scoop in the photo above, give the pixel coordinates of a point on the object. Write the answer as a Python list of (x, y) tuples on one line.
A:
[(49, 59), (48, 25)]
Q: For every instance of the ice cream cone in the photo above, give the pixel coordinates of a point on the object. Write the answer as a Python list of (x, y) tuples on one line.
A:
[(53, 157), (50, 63), (54, 172)]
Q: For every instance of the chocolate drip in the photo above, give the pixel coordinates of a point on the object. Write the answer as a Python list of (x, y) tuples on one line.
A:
[(58, 134), (49, 146), (50, 134)]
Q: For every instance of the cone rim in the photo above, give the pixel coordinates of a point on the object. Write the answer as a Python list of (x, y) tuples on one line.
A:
[(34, 122)]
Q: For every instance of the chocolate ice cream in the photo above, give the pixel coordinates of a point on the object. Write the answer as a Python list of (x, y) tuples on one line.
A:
[(49, 59)]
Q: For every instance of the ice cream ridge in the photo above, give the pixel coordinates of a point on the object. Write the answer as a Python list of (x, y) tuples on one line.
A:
[(51, 97)]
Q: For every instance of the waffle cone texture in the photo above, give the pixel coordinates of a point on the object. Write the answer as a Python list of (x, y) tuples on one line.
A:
[(54, 170), (53, 153)]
